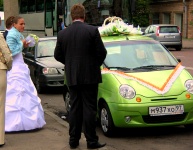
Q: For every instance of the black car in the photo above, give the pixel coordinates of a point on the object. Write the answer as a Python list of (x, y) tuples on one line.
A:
[(45, 71)]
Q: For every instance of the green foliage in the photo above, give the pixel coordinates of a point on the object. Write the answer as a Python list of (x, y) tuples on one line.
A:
[(1, 5), (191, 23), (141, 14)]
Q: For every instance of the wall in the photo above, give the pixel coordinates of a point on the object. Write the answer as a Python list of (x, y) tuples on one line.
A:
[(10, 8), (190, 19)]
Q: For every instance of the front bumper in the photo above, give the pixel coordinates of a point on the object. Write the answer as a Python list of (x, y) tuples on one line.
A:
[(140, 117), (171, 44), (51, 80)]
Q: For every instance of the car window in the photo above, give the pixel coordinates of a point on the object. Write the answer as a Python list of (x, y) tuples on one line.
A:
[(151, 30), (147, 30), (46, 48), (160, 56), (168, 29), (121, 56), (136, 55), (154, 29)]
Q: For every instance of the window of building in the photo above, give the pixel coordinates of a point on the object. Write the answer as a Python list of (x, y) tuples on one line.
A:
[(23, 6), (155, 19), (39, 5), (166, 18), (31, 6)]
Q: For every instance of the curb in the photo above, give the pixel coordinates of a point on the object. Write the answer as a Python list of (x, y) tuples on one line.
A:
[(187, 47), (55, 117)]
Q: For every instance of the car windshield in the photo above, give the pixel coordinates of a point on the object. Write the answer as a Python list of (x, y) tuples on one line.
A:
[(46, 48), (131, 55)]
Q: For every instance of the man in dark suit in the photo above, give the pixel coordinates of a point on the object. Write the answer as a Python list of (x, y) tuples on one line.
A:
[(80, 48)]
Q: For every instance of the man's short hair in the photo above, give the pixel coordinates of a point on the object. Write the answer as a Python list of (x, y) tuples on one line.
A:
[(78, 12)]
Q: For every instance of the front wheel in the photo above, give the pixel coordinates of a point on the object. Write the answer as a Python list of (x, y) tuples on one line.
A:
[(189, 127), (106, 120), (178, 48)]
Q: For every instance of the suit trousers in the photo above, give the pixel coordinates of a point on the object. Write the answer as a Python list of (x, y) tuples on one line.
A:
[(83, 111), (3, 86)]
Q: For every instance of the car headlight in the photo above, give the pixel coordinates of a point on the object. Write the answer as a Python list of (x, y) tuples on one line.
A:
[(50, 71), (189, 86), (126, 91)]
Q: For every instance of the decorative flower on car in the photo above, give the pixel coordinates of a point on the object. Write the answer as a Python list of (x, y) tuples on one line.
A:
[(116, 26)]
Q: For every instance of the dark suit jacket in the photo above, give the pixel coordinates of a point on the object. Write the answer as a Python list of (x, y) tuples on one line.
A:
[(80, 48), (5, 34)]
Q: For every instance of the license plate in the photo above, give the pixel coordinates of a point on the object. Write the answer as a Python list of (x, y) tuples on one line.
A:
[(166, 110), (170, 36)]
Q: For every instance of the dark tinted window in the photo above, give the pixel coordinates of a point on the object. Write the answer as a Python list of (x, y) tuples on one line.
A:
[(169, 29), (31, 6), (39, 5), (23, 6), (152, 29)]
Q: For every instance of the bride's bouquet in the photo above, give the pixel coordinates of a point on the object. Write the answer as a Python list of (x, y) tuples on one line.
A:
[(32, 39)]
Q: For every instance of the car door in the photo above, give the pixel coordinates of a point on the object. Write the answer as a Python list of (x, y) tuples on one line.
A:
[(150, 32), (29, 58)]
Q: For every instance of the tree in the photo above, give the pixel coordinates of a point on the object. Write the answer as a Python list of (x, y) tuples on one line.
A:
[(133, 11), (1, 5), (140, 16)]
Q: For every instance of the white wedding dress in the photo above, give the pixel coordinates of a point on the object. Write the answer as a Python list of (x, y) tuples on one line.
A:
[(23, 109)]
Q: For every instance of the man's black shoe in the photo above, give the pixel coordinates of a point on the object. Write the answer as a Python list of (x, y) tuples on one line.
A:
[(95, 145), (1, 145), (73, 146)]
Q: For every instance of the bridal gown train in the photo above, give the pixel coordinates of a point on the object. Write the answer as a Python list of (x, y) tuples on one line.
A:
[(23, 109)]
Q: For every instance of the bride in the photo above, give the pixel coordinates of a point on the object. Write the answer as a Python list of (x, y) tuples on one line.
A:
[(23, 109)]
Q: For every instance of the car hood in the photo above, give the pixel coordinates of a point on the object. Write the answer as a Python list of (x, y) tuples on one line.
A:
[(155, 83), (50, 62)]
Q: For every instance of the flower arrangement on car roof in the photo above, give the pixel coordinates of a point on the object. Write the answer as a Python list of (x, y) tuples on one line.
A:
[(116, 26), (32, 39)]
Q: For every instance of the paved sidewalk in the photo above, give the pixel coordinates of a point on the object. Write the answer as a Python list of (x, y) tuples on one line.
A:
[(53, 136), (186, 43)]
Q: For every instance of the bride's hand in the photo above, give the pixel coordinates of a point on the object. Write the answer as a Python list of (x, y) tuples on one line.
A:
[(25, 43)]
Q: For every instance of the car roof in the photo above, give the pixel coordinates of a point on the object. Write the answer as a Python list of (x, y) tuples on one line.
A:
[(47, 38), (131, 42), (111, 38), (164, 25), (125, 38)]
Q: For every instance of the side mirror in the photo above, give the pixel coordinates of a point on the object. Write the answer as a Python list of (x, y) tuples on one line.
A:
[(179, 60)]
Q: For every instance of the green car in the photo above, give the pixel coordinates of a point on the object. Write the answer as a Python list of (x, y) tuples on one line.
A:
[(144, 85)]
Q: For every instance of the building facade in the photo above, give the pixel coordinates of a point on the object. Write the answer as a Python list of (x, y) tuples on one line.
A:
[(179, 12), (10, 8)]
